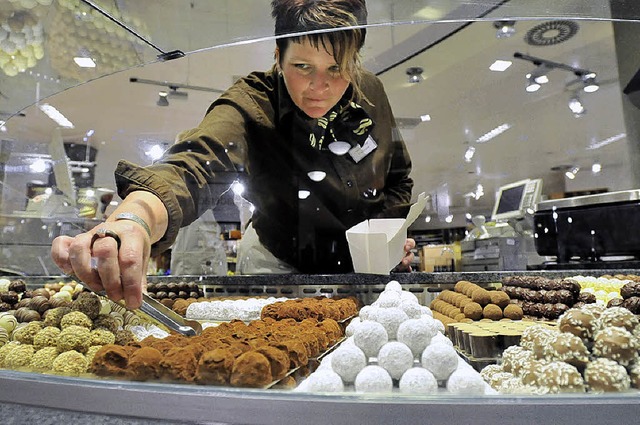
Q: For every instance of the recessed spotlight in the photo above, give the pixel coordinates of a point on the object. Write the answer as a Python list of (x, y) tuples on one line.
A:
[(500, 65), (83, 62)]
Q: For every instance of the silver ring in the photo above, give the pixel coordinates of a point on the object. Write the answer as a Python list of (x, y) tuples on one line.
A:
[(102, 233)]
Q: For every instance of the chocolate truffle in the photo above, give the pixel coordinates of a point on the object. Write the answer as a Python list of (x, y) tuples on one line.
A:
[(492, 311), (144, 364), (179, 364), (74, 337), (513, 312), (110, 360), (560, 377), (214, 367), (9, 297), (123, 337), (578, 322), (278, 360), (70, 363), (617, 344), (19, 357), (619, 316), (251, 369), (473, 311), (42, 359), (105, 321), (25, 334), (18, 286), (88, 304), (568, 348), (102, 337), (76, 318), (47, 337), (632, 304), (604, 375), (499, 298)]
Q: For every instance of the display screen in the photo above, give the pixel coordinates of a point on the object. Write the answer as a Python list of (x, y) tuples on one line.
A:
[(510, 199)]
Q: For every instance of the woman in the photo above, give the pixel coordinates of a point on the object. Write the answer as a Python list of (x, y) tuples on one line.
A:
[(313, 140)]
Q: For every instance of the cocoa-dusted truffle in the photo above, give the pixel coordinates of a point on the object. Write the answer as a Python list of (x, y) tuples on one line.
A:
[(492, 311), (70, 363), (92, 352), (179, 364), (47, 337), (499, 298), (251, 369), (214, 367), (144, 364), (87, 303), (473, 311), (110, 360), (481, 296), (74, 337), (513, 312), (604, 375), (76, 318), (278, 360)]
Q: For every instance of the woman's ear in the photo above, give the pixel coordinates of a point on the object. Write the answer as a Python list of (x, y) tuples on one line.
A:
[(276, 56)]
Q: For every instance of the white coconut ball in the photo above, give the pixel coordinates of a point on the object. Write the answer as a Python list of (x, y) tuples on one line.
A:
[(409, 296), (393, 285), (373, 379), (325, 380), (388, 299), (347, 361), (466, 382), (440, 359), (440, 325), (416, 334), (370, 337), (440, 338), (426, 311), (413, 309), (396, 358), (391, 318), (418, 380), (351, 327), (368, 312)]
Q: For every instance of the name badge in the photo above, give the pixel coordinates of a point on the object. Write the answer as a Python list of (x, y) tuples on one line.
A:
[(358, 152)]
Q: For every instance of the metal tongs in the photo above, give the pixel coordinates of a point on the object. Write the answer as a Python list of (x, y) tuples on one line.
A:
[(162, 314)]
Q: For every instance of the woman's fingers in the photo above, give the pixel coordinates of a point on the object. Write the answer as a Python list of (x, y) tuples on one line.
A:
[(81, 263), (60, 253)]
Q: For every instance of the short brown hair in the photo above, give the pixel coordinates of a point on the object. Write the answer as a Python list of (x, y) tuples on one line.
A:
[(320, 17)]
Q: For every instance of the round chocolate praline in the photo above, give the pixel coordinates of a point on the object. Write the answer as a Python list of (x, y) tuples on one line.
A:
[(182, 286), (171, 287), (152, 288), (172, 295), (632, 304), (18, 286), (631, 289), (194, 295), (40, 291), (39, 304), (9, 297), (551, 296), (587, 297), (162, 287), (161, 295), (4, 307)]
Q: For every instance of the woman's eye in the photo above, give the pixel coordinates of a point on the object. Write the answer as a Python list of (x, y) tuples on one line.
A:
[(302, 66)]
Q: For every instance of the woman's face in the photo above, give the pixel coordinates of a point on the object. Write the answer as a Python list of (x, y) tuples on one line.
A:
[(312, 77)]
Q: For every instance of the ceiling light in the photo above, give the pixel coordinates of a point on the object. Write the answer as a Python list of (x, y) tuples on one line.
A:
[(468, 216), (576, 106), (427, 218), (162, 98), (468, 155), (3, 126), (590, 84), (596, 168), (84, 62), (425, 117), (571, 174), (415, 74), (449, 218), (493, 133), (56, 115), (532, 85), (505, 29), (38, 166), (237, 188), (500, 65)]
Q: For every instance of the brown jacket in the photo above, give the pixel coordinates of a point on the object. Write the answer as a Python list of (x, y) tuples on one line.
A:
[(252, 130)]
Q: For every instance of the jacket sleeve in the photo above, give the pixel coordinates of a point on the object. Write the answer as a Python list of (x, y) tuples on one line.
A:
[(183, 178)]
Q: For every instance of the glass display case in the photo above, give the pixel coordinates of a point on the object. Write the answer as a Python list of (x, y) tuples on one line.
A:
[(484, 94)]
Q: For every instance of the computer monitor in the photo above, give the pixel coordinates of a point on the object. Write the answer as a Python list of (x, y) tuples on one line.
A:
[(515, 199)]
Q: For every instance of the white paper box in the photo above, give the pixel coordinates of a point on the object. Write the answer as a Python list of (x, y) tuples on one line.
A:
[(377, 245)]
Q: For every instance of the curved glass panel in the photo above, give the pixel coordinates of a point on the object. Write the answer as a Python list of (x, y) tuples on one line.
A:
[(469, 129)]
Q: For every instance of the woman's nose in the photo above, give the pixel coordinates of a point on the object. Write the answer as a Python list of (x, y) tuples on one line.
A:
[(319, 81)]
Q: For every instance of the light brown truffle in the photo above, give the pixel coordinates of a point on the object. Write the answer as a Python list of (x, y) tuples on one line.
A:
[(70, 363), (492, 311), (473, 311), (513, 312), (499, 298), (214, 367), (144, 364), (76, 318), (47, 337), (110, 360), (179, 364), (74, 337), (604, 375), (251, 369)]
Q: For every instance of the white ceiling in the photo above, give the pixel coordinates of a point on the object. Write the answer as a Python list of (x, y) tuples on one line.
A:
[(463, 97)]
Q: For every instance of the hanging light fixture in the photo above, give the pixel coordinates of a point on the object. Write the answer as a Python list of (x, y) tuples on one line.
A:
[(505, 29), (589, 81), (415, 74), (576, 106), (162, 98)]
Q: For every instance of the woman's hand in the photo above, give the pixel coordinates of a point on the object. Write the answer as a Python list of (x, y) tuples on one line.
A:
[(96, 259), (407, 260)]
